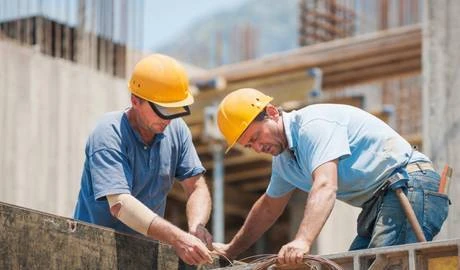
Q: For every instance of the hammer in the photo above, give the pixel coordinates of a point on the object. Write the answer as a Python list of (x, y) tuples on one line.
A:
[(410, 214)]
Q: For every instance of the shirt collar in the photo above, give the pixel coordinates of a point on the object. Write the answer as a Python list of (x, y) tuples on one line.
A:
[(287, 121)]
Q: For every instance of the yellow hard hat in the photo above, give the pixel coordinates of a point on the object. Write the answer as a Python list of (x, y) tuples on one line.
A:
[(161, 80), (237, 110)]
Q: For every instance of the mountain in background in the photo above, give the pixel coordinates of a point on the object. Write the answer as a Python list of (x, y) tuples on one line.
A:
[(255, 29)]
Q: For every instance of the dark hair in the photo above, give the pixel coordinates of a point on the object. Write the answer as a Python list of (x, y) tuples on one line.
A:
[(261, 116), (138, 98)]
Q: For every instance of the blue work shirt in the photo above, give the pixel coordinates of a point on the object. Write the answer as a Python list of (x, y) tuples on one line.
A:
[(367, 149), (118, 161)]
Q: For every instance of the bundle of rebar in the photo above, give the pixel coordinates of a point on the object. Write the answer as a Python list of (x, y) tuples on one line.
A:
[(268, 262)]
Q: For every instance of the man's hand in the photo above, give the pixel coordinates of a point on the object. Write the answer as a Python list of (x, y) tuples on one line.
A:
[(202, 233), (192, 251), (292, 252), (222, 249)]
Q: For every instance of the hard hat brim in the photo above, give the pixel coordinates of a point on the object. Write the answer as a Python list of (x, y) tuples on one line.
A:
[(229, 147)]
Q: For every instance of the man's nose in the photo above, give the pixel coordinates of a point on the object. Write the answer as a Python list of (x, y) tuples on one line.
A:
[(257, 147)]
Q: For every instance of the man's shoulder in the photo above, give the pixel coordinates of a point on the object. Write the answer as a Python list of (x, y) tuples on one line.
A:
[(109, 121), (108, 130)]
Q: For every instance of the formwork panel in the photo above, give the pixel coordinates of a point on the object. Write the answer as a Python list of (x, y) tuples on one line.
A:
[(36, 240), (443, 263)]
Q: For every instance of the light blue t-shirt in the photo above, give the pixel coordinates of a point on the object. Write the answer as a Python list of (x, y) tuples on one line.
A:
[(368, 150), (117, 161)]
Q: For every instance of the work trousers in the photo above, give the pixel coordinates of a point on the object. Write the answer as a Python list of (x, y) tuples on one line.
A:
[(391, 224)]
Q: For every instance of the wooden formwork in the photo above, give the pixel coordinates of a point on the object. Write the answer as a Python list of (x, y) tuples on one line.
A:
[(31, 239), (436, 255), (36, 240)]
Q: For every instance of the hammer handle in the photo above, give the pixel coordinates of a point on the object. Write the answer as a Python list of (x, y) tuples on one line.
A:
[(405, 204)]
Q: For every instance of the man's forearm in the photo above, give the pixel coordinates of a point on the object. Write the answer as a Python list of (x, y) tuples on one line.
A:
[(260, 218), (164, 231), (137, 216), (198, 206), (189, 248), (317, 210)]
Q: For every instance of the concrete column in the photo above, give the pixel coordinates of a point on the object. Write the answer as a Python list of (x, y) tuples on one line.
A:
[(441, 96)]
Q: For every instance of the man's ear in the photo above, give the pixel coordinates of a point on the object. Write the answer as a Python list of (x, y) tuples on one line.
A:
[(135, 100), (272, 111)]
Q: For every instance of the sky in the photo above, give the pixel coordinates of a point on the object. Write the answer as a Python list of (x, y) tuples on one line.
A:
[(166, 19), (163, 19)]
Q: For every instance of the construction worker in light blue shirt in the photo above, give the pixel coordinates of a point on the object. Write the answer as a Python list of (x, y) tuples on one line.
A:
[(332, 152), (134, 156)]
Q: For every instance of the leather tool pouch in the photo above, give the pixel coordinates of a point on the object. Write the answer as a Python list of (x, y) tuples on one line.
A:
[(368, 216), (370, 209)]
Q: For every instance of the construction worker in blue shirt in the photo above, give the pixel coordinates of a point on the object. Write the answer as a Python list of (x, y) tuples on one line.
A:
[(134, 156), (332, 152)]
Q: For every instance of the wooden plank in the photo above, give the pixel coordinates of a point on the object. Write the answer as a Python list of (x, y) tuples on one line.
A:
[(238, 160), (245, 174), (322, 54), (429, 255), (366, 55), (284, 87), (443, 263), (356, 101), (368, 74), (319, 59), (390, 57)]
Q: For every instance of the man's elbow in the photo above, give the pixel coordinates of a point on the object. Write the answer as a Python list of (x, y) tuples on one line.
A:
[(131, 212), (327, 188), (271, 208), (331, 191)]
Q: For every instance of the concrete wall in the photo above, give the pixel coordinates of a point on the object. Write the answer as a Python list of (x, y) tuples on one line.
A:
[(441, 96), (47, 109)]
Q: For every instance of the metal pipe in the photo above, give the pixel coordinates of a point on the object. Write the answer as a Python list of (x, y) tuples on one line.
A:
[(317, 74), (218, 188)]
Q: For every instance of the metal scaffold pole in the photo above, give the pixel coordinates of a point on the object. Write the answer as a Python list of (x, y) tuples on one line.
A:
[(218, 191), (211, 133)]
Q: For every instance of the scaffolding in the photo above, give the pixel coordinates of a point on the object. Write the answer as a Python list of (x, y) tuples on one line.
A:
[(325, 20)]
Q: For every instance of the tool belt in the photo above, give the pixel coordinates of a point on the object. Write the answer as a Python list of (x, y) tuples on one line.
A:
[(419, 166), (370, 208)]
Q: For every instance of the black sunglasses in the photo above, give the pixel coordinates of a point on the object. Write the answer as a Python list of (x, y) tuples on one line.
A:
[(171, 116)]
